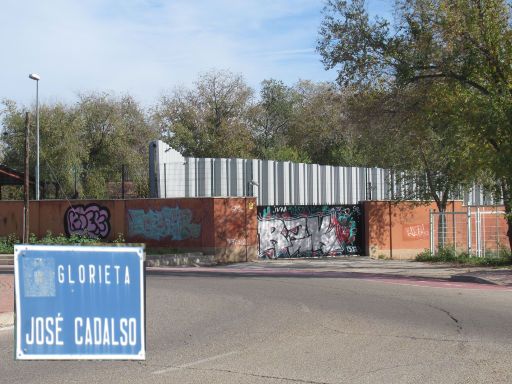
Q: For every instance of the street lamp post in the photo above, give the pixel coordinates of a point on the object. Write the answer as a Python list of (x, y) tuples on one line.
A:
[(36, 77)]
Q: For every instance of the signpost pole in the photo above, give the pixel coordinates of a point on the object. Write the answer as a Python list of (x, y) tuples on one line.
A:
[(26, 188)]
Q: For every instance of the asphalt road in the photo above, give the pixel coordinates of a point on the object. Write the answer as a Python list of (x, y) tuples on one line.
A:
[(246, 329)]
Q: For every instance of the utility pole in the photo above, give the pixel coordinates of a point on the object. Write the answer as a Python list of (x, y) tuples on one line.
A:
[(26, 189), (123, 170)]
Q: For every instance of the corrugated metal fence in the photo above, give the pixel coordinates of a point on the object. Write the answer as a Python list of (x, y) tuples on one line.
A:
[(280, 182)]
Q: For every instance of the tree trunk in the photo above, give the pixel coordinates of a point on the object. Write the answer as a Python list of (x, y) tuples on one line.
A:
[(507, 201), (441, 203)]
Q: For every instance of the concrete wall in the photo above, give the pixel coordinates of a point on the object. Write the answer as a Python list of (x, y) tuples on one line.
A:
[(225, 227)]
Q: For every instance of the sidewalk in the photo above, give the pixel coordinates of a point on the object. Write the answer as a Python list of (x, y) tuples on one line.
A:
[(354, 267), (357, 266), (406, 268), (6, 300)]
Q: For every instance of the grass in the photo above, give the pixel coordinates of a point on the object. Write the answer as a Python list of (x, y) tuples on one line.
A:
[(451, 256)]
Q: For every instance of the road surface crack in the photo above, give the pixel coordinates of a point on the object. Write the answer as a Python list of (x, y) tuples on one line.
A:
[(395, 336), (453, 318)]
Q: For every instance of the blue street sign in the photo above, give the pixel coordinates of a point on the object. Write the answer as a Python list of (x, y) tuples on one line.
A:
[(79, 302)]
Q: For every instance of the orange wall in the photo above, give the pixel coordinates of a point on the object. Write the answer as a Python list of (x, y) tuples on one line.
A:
[(227, 227), (223, 226), (401, 230)]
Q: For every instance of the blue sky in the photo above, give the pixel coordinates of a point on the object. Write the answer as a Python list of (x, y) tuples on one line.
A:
[(147, 47)]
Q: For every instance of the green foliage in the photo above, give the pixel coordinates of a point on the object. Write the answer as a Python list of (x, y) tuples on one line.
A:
[(113, 131), (271, 120), (318, 126), (7, 243), (451, 256), (285, 153), (119, 239), (460, 50), (84, 144), (210, 120)]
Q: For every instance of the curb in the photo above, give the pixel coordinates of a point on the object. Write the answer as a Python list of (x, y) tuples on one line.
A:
[(472, 279)]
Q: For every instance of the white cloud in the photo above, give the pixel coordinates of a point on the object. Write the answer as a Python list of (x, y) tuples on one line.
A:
[(146, 46)]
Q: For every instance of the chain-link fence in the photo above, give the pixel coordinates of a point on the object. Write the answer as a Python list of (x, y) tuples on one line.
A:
[(479, 231), (120, 182)]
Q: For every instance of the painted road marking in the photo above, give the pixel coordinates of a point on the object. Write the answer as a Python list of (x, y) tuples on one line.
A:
[(197, 362)]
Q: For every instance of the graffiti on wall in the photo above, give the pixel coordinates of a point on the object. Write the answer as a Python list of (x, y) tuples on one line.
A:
[(415, 231), (174, 223), (309, 231), (91, 220)]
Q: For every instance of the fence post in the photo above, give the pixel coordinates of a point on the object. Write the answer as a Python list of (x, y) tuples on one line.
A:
[(431, 232), (453, 229), (122, 180), (469, 231), (497, 230), (478, 233), (165, 180)]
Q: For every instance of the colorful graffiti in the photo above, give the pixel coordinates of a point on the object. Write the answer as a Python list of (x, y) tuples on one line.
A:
[(174, 223), (309, 231), (91, 220)]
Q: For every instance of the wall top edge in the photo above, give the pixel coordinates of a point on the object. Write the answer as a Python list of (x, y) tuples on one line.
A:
[(85, 201)]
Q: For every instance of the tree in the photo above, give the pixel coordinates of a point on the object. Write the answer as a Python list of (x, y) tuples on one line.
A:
[(113, 131), (319, 128), (59, 145), (272, 116), (211, 120), (464, 45), (85, 144)]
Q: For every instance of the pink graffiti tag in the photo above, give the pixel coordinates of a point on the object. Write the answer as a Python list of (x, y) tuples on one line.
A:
[(90, 220)]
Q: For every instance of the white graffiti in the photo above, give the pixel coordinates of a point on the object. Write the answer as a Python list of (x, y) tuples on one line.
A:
[(313, 235), (235, 242), (417, 231)]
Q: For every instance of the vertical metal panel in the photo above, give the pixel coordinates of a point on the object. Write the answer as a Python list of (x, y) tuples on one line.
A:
[(206, 175), (267, 182), (312, 197), (302, 183), (293, 185), (361, 186), (322, 183), (286, 183), (349, 181), (337, 184), (253, 178), (191, 177), (219, 174), (281, 182), (236, 177)]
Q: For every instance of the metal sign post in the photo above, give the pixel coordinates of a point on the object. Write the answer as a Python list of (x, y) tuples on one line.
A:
[(79, 302)]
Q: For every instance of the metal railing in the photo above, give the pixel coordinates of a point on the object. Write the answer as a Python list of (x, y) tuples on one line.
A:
[(480, 231)]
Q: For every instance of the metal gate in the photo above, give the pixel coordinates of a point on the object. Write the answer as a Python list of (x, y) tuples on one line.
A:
[(479, 231)]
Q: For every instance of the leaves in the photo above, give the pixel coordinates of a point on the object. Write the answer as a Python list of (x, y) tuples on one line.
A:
[(87, 142), (210, 120)]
